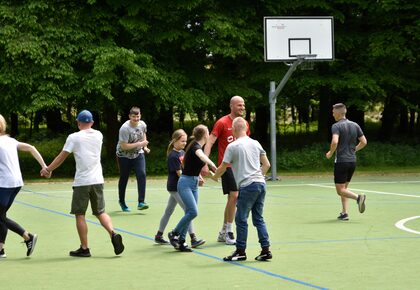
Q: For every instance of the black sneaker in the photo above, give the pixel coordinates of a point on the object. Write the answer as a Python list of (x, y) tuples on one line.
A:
[(80, 252), (361, 203), (197, 242), (343, 217), (30, 244), (236, 256), (117, 243), (173, 239), (2, 254), (264, 256), (161, 241), (183, 247)]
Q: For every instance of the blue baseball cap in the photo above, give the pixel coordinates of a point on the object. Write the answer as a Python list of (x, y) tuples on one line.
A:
[(85, 117)]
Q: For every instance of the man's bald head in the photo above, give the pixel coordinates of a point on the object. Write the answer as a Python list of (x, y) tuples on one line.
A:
[(237, 106)]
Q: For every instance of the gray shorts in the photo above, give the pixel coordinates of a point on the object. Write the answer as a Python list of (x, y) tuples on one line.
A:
[(83, 194)]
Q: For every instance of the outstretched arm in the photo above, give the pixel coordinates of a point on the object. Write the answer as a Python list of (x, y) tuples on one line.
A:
[(56, 163), (35, 153)]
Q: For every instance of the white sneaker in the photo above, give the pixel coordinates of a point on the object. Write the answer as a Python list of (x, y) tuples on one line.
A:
[(221, 238), (230, 238)]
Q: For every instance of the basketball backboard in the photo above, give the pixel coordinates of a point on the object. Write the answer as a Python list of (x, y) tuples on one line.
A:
[(287, 37)]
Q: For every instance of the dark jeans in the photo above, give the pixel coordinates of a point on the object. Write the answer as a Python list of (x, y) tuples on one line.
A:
[(251, 199), (7, 196), (139, 166)]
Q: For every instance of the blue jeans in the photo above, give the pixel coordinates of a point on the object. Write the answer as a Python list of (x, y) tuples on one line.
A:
[(139, 166), (251, 199), (188, 191)]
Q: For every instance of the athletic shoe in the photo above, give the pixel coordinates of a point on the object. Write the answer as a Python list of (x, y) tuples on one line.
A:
[(142, 206), (117, 243), (183, 247), (222, 237), (197, 242), (2, 254), (264, 256), (343, 217), (30, 244), (161, 241), (230, 239), (236, 256), (124, 207), (173, 239), (80, 252), (361, 202)]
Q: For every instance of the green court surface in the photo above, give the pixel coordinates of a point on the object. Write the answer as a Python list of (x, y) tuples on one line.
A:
[(311, 248)]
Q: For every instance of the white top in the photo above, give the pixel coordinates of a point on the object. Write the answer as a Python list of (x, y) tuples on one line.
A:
[(10, 175), (244, 155), (86, 147)]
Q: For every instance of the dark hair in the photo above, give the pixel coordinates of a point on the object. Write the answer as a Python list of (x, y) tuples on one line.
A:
[(134, 111), (176, 135)]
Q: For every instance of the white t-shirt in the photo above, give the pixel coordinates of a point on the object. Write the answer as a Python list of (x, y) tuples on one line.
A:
[(244, 156), (86, 147), (10, 175)]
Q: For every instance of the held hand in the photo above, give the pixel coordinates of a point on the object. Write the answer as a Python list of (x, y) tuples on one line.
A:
[(143, 144), (205, 170), (212, 177), (213, 168), (200, 181), (146, 150), (45, 173)]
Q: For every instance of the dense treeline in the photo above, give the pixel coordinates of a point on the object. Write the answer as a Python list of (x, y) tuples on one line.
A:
[(187, 58)]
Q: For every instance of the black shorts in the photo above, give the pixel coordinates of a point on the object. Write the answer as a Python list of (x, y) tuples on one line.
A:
[(343, 171), (228, 181)]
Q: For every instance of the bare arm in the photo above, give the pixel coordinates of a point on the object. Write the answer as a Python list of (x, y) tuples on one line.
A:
[(29, 148), (130, 146), (362, 143), (207, 150), (220, 170), (203, 157), (333, 146), (265, 164), (59, 159)]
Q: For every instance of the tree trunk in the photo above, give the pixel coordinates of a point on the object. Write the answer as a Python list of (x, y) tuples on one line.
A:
[(262, 117), (325, 116), (112, 128), (14, 125), (389, 118)]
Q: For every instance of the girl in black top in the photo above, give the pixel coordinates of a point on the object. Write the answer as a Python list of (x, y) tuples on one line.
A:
[(194, 160)]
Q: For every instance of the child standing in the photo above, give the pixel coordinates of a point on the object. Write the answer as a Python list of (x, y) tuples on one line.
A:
[(194, 160), (175, 155)]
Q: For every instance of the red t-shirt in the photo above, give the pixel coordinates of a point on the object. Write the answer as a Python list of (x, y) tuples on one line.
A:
[(223, 131)]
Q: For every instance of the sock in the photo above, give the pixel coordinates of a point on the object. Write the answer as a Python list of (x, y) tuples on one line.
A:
[(159, 233), (192, 236), (229, 228), (223, 230)]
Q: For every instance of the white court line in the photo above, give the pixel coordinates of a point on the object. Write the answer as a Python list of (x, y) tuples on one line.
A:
[(353, 182), (401, 226), (371, 191)]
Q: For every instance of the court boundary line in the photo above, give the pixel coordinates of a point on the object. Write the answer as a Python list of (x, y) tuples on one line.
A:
[(400, 225), (268, 273)]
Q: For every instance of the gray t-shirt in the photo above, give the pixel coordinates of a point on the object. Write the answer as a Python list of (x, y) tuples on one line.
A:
[(349, 133), (244, 155), (129, 134)]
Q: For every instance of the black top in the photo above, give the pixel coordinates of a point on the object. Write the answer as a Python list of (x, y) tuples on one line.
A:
[(174, 164), (192, 164)]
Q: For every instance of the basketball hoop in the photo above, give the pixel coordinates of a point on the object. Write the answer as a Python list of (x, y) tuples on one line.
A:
[(307, 61)]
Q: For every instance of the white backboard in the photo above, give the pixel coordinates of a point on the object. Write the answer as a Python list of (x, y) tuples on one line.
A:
[(287, 37)]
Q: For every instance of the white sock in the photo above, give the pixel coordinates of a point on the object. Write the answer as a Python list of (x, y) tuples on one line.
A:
[(229, 228), (223, 230)]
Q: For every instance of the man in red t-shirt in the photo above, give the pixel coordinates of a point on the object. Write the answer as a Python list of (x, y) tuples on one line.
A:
[(222, 132)]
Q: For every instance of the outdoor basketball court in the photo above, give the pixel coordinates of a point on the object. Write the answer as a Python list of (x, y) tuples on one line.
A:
[(311, 248)]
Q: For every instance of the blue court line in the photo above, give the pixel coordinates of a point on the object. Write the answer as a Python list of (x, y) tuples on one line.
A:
[(195, 251)]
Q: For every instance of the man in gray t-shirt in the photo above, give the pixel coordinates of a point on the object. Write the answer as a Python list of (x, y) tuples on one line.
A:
[(347, 138), (249, 165)]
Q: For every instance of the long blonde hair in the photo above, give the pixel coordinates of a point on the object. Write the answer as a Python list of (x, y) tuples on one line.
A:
[(176, 135), (3, 125)]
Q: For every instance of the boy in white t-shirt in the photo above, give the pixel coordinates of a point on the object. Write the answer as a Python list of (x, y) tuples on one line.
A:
[(88, 181)]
